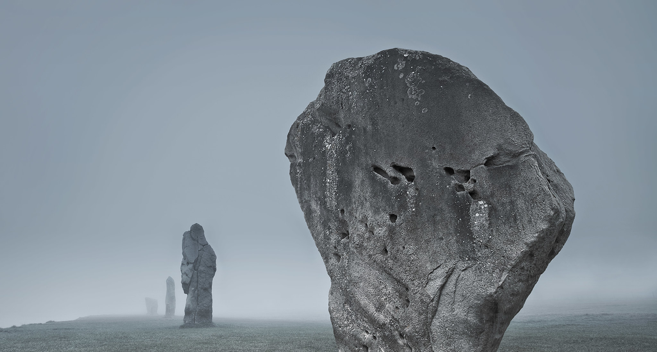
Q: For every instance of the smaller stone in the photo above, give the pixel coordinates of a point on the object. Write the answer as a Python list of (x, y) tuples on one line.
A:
[(151, 306), (170, 300)]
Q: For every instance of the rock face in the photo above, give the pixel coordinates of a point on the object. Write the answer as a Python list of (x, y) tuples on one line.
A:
[(433, 210), (151, 306), (198, 266), (170, 300)]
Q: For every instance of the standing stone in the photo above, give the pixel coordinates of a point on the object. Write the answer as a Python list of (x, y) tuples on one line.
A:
[(170, 300), (198, 266), (432, 208), (151, 306)]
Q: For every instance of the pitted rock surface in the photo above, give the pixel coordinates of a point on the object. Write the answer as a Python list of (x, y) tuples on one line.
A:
[(432, 208), (170, 299), (198, 267)]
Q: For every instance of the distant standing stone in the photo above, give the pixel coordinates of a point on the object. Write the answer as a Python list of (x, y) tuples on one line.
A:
[(434, 211), (170, 300), (198, 267), (151, 306)]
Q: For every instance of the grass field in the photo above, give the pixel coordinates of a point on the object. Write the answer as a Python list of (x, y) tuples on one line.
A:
[(579, 332)]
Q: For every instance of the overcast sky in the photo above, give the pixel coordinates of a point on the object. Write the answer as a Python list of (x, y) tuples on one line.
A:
[(122, 123)]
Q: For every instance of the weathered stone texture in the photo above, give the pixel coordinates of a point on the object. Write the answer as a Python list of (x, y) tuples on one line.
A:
[(433, 210), (197, 269), (170, 300)]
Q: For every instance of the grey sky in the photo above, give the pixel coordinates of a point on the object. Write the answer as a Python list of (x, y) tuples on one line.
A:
[(122, 123)]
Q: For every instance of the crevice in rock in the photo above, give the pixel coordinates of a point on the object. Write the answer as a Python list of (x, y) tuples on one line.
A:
[(329, 116), (491, 160), (291, 157), (344, 235), (406, 171), (474, 195), (393, 180)]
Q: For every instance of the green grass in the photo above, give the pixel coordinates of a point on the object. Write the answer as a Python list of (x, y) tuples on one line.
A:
[(141, 333), (582, 333), (539, 333)]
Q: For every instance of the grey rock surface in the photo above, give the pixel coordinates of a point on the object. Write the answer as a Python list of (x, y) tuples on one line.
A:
[(432, 208), (151, 306), (198, 267), (170, 299)]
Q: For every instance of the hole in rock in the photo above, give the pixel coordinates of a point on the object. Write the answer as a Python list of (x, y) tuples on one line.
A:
[(406, 171), (297, 126), (449, 171), (393, 218), (474, 195), (344, 235), (472, 180), (341, 211), (459, 187), (433, 148), (366, 348), (337, 257), (374, 337), (380, 171), (385, 250)]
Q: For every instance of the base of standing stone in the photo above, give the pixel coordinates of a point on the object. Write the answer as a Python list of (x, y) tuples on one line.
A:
[(202, 325)]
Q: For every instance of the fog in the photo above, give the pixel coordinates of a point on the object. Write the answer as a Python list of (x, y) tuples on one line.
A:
[(123, 123)]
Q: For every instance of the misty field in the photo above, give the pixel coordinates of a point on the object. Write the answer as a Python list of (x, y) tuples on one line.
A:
[(582, 333)]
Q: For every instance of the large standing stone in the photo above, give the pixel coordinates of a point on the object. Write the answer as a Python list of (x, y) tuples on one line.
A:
[(170, 299), (151, 306), (432, 208), (198, 266)]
